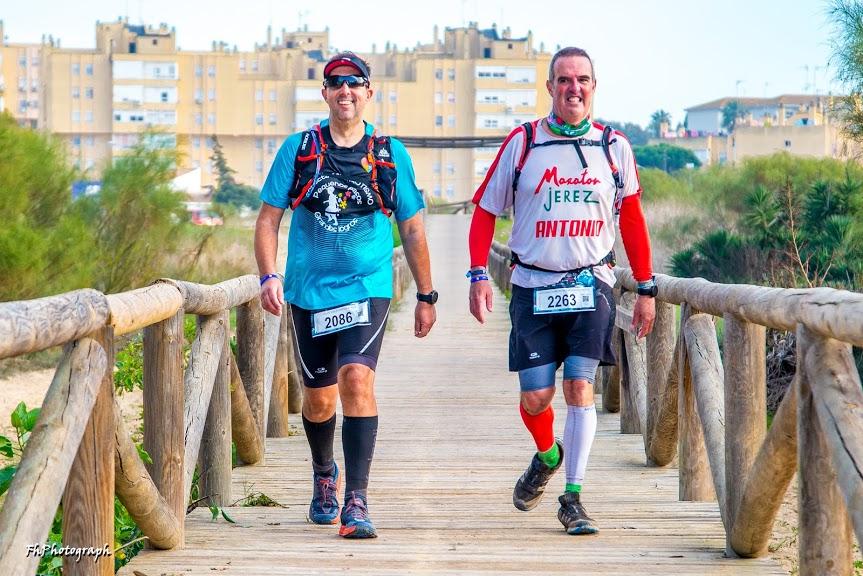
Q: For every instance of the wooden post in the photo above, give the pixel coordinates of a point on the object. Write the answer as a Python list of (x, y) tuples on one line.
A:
[(163, 411), (629, 423), (611, 381), (88, 502), (250, 357), (215, 456), (277, 426), (745, 366), (37, 488), (661, 426), (824, 546), (695, 469), (272, 330), (244, 428), (295, 378)]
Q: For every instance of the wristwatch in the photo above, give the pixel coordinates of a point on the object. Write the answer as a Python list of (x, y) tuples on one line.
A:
[(647, 288), (429, 298)]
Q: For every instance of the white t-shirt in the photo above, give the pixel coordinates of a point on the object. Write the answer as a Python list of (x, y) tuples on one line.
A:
[(564, 213)]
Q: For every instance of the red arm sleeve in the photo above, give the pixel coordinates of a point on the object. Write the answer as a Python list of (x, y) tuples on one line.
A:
[(480, 237), (636, 241)]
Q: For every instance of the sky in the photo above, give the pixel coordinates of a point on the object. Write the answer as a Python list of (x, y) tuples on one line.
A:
[(663, 54)]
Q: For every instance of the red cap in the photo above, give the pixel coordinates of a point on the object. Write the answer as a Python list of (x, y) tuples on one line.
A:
[(346, 59)]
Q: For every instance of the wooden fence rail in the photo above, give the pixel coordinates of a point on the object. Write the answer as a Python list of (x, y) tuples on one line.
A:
[(705, 402), (80, 450)]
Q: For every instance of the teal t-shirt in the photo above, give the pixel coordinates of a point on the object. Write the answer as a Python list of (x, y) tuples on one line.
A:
[(329, 268)]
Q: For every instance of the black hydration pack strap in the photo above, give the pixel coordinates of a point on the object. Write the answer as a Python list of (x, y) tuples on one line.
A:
[(529, 144), (608, 259)]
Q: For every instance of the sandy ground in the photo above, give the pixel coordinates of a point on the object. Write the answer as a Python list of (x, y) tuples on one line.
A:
[(30, 387)]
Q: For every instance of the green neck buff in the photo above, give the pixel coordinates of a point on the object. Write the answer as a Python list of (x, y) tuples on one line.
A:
[(561, 128)]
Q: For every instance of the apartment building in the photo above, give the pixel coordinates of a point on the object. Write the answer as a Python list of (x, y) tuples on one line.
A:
[(466, 82)]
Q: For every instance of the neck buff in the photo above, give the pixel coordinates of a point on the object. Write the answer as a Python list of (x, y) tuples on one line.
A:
[(561, 128)]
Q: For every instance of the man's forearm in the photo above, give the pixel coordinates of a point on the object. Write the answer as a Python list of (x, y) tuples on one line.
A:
[(266, 245), (417, 255)]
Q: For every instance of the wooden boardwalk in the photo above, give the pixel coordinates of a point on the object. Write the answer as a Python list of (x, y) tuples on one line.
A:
[(449, 449)]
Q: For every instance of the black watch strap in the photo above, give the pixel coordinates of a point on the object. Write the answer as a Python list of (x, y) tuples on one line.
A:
[(429, 298)]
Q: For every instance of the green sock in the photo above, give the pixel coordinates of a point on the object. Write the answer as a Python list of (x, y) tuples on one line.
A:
[(573, 488), (550, 457)]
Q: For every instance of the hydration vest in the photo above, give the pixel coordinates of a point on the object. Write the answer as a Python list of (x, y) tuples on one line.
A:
[(344, 181), (605, 142)]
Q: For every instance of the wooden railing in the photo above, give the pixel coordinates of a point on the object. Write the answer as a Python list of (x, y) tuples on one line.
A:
[(80, 451), (709, 408)]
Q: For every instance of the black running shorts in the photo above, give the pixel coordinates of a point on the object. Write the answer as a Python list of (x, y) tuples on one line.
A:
[(320, 358), (540, 339)]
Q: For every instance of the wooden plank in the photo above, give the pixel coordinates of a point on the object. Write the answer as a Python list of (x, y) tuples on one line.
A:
[(450, 447)]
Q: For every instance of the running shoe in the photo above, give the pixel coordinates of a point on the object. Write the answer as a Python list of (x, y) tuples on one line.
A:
[(324, 508), (355, 518), (573, 516), (530, 487)]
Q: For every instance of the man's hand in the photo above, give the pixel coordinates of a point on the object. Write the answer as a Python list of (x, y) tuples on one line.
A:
[(424, 318), (643, 315), (272, 296), (481, 299)]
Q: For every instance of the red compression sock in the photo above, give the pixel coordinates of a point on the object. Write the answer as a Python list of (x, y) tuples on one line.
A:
[(541, 427)]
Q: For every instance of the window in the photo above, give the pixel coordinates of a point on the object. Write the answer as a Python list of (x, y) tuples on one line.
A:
[(451, 73), (272, 95), (450, 190), (163, 96), (196, 141), (88, 92), (211, 118), (76, 69), (438, 74), (272, 118), (76, 140), (88, 116), (438, 97), (392, 95), (198, 120), (450, 97), (310, 74), (34, 85), (76, 92), (88, 69), (254, 65), (259, 143), (271, 146), (259, 166), (210, 143), (22, 61), (91, 140), (393, 120), (242, 65), (76, 115), (450, 120), (436, 167), (211, 70), (437, 190), (211, 94), (155, 41), (450, 168), (259, 119), (438, 120), (259, 95), (199, 70), (199, 95), (379, 97), (486, 53)]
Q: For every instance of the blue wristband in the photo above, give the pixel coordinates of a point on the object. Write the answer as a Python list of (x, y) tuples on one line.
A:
[(266, 277), (478, 278)]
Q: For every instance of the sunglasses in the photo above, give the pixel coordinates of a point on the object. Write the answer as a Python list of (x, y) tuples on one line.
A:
[(351, 81)]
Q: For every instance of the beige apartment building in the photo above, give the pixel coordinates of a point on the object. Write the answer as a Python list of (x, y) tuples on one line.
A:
[(470, 82)]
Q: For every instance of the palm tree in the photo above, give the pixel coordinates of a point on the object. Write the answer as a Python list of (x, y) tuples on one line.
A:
[(657, 119)]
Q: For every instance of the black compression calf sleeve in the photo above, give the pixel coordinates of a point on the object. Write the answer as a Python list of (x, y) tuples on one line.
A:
[(358, 439), (320, 436)]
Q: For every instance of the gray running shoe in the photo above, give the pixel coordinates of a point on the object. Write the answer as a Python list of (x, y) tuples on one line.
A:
[(530, 487), (573, 516)]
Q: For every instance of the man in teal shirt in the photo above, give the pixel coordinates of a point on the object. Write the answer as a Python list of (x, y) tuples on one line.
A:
[(343, 181)]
